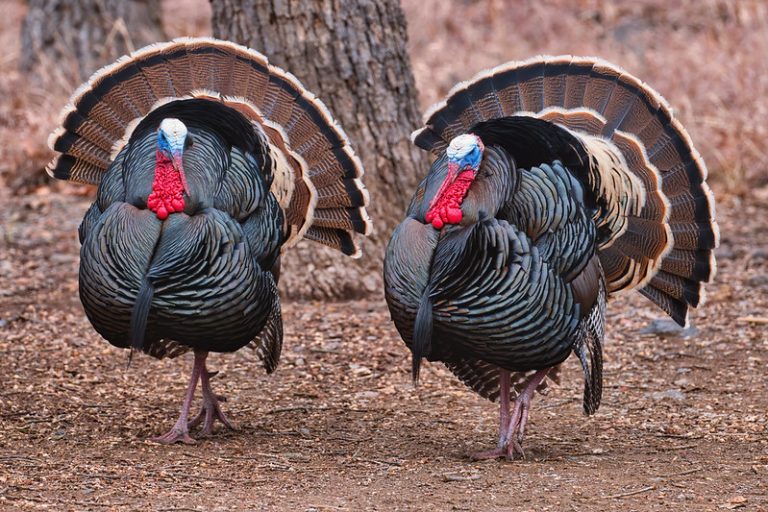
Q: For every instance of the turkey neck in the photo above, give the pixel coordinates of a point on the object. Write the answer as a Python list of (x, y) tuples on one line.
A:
[(446, 206), (490, 190), (167, 188)]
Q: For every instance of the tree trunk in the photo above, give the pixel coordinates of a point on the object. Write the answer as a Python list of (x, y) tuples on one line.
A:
[(64, 41), (352, 55)]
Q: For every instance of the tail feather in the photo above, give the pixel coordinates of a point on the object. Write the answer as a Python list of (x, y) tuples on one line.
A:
[(697, 265), (675, 308), (422, 335), (677, 287), (531, 88), (333, 237), (313, 153), (555, 83), (599, 87), (140, 314), (625, 126), (694, 235)]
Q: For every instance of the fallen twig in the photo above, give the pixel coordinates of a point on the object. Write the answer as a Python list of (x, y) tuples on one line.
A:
[(673, 448), (683, 473), (380, 462), (632, 493), (303, 408), (753, 319)]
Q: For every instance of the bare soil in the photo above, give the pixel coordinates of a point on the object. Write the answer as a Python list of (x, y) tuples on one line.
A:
[(339, 426)]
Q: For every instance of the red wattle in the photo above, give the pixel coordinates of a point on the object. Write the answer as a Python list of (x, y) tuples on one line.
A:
[(167, 188), (446, 207)]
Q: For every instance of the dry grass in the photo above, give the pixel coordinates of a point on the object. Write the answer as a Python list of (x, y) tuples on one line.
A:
[(707, 57)]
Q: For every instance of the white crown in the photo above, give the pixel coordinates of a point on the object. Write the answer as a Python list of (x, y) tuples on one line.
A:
[(173, 129), (461, 146)]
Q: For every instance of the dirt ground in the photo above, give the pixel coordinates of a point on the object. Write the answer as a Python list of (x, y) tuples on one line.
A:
[(339, 426)]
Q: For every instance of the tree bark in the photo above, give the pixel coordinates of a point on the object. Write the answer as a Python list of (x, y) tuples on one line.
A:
[(352, 55), (64, 41)]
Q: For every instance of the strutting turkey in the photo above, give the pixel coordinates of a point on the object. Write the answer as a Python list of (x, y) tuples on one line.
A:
[(558, 182), (210, 162)]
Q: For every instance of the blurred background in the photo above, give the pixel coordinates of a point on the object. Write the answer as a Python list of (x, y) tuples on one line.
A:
[(707, 57)]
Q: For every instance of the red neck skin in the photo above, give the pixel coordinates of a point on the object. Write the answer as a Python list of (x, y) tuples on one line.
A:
[(446, 206), (167, 189)]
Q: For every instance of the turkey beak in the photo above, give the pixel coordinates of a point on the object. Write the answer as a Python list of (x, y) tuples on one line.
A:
[(177, 164)]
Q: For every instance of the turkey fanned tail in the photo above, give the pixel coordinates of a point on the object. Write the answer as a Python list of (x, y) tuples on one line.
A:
[(655, 211), (315, 174)]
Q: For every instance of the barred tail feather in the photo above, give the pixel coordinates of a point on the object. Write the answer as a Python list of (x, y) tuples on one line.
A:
[(316, 171)]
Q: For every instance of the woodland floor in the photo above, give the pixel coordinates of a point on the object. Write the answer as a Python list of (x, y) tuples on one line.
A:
[(339, 426)]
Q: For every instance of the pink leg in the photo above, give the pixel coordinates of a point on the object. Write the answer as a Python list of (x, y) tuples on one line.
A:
[(501, 449), (211, 410), (516, 430), (180, 431), (512, 429)]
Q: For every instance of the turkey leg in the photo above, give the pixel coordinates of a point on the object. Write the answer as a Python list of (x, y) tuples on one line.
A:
[(211, 410), (501, 448), (180, 431), (511, 435)]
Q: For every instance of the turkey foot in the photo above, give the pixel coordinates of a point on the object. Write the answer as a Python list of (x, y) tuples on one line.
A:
[(516, 429), (179, 433), (512, 428), (211, 410)]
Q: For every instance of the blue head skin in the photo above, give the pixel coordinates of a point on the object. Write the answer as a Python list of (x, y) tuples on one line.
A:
[(171, 138), (464, 152)]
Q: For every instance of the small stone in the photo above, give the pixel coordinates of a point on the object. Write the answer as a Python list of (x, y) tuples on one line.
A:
[(359, 369), (371, 283), (62, 258), (667, 328), (673, 394), (6, 268)]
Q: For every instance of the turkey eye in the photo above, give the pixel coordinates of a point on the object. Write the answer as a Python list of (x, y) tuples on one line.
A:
[(188, 142)]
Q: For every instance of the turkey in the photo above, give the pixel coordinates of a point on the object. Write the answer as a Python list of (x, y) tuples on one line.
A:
[(209, 163), (557, 182)]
